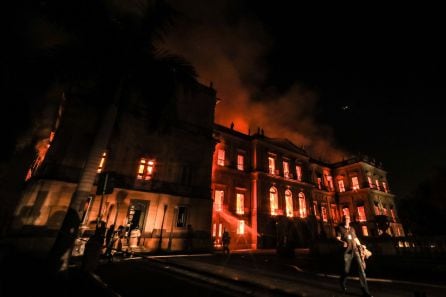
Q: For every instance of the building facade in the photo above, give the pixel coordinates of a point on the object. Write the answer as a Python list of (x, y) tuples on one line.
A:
[(184, 180), (270, 193)]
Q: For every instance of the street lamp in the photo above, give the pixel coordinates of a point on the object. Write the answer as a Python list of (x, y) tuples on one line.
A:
[(169, 247)]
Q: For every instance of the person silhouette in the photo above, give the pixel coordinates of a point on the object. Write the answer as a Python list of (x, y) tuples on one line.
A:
[(226, 239)]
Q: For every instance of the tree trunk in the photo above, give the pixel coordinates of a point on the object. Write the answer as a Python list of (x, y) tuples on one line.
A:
[(61, 250)]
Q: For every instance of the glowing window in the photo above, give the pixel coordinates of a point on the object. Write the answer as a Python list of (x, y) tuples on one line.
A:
[(302, 205), (315, 208), (355, 183), (286, 169), (101, 163), (330, 182), (220, 227), (241, 227), (274, 201), (392, 213), (145, 169), (319, 183), (385, 187), (240, 162), (334, 217), (218, 200), (214, 230), (289, 203), (299, 173), (271, 165), (361, 214), (346, 212), (341, 185), (240, 203), (370, 182), (365, 232), (377, 185), (221, 157), (324, 213)]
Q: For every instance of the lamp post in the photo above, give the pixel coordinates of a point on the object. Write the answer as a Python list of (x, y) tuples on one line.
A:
[(169, 247), (161, 230)]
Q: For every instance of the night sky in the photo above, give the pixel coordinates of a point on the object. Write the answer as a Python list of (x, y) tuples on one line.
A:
[(374, 76), (338, 80)]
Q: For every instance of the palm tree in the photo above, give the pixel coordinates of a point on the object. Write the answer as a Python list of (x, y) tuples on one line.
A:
[(108, 49)]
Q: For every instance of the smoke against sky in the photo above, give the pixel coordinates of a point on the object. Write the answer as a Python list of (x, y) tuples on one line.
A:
[(228, 46), (336, 81)]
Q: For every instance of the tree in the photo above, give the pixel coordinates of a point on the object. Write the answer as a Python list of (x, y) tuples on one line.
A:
[(105, 49)]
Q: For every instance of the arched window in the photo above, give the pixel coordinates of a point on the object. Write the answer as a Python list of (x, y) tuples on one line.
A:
[(274, 200), (289, 203), (302, 205)]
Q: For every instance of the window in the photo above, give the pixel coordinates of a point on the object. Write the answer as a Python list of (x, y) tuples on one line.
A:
[(241, 227), (319, 183), (286, 169), (221, 157), (361, 214), (302, 205), (324, 213), (214, 230), (346, 211), (181, 219), (240, 203), (341, 185), (334, 217), (102, 162), (377, 185), (218, 200), (271, 165), (240, 162), (385, 187), (220, 229), (330, 182), (365, 232), (392, 213), (274, 201), (315, 209), (289, 203), (355, 183), (370, 182), (299, 173), (145, 169)]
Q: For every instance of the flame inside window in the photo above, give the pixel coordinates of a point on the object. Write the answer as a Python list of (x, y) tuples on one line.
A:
[(145, 169)]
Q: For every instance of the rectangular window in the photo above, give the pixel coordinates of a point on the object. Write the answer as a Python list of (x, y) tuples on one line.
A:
[(240, 162), (370, 182), (218, 200), (214, 230), (334, 217), (240, 203), (324, 213), (315, 209), (377, 185), (271, 165), (385, 187), (341, 185), (220, 227), (101, 163), (355, 183), (221, 157), (241, 227), (392, 213), (299, 173), (361, 214), (346, 211), (330, 182), (365, 232), (319, 183), (145, 169), (182, 216), (286, 169)]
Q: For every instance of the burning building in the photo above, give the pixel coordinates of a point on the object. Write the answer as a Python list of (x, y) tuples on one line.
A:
[(185, 176)]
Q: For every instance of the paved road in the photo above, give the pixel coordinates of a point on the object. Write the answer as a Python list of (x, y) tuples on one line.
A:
[(241, 274)]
